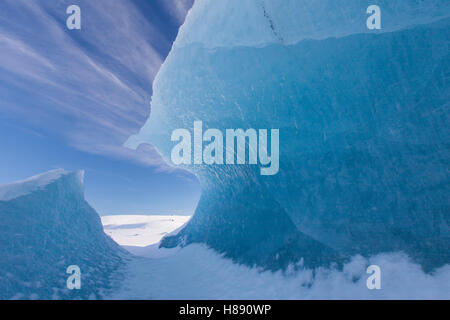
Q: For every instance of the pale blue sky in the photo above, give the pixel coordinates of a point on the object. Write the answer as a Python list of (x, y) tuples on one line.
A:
[(70, 98)]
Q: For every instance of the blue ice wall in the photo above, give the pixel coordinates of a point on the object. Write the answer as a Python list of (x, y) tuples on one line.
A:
[(46, 227), (363, 118)]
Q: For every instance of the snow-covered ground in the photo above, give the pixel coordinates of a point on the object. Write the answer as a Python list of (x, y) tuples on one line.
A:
[(140, 230), (197, 272)]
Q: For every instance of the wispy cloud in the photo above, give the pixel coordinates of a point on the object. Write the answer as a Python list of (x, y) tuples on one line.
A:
[(178, 8), (90, 86)]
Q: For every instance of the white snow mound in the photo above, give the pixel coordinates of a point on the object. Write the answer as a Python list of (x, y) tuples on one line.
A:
[(23, 187)]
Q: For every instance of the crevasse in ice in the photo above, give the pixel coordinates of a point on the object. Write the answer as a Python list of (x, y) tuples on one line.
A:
[(363, 119), (46, 226)]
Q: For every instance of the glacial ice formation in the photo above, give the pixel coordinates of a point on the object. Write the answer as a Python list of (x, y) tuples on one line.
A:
[(363, 119), (47, 226)]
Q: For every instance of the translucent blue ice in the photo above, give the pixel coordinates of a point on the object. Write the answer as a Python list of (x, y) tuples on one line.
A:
[(363, 118), (47, 226)]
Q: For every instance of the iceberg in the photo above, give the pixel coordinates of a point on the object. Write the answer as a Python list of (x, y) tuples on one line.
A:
[(46, 226), (362, 117)]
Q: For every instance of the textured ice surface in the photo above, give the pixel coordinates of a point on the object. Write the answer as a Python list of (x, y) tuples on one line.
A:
[(363, 119), (258, 23), (46, 226), (20, 188)]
